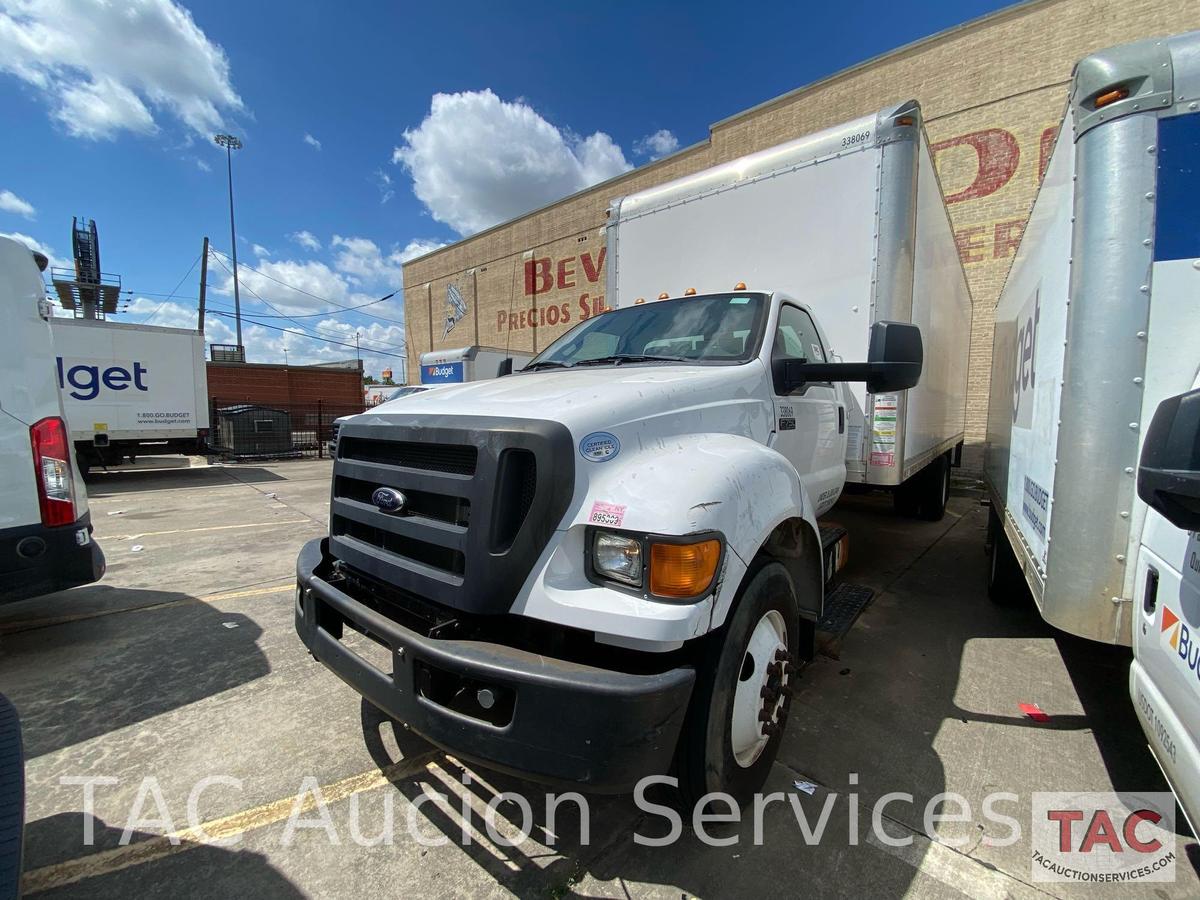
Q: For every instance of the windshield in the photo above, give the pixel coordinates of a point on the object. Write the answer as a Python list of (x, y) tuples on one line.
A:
[(716, 328), (404, 392)]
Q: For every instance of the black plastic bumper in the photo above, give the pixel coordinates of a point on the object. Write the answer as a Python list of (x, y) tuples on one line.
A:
[(568, 723), (36, 560)]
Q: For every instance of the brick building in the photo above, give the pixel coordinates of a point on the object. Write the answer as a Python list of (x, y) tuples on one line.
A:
[(992, 91), (334, 387)]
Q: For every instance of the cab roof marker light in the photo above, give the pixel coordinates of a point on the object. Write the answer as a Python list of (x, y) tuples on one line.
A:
[(690, 292), (664, 296), (1110, 96), (740, 286)]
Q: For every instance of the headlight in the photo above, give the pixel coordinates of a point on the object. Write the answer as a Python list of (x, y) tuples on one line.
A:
[(617, 557)]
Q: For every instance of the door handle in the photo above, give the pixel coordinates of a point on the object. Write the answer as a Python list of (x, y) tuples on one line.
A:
[(1150, 600), (841, 419)]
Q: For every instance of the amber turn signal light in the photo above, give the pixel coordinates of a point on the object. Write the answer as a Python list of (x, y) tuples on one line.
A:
[(683, 571), (1111, 97)]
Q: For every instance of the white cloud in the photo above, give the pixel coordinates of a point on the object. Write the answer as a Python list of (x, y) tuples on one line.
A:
[(15, 204), (11, 203), (364, 263), (202, 165), (259, 250), (34, 244), (312, 141), (661, 143), (290, 285), (110, 67), (306, 239), (383, 181), (477, 160)]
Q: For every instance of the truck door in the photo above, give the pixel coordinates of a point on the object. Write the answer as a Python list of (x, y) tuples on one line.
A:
[(809, 421)]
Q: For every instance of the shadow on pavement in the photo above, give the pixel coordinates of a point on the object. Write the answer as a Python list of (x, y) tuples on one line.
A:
[(162, 650), (54, 846)]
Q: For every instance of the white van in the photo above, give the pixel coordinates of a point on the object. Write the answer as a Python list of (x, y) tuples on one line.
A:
[(45, 532)]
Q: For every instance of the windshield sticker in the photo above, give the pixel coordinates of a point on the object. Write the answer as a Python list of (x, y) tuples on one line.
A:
[(606, 514), (599, 446), (738, 301)]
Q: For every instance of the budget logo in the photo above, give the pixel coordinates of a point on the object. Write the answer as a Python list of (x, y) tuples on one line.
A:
[(1170, 622), (1103, 838)]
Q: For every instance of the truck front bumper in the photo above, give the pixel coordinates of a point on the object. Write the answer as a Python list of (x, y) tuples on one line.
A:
[(552, 720)]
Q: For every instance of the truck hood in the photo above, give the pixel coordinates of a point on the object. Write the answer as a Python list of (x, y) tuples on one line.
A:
[(674, 398)]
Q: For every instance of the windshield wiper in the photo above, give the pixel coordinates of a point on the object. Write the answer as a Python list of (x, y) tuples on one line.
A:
[(545, 364), (618, 358)]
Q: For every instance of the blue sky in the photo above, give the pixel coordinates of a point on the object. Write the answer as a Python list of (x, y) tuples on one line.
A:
[(424, 124)]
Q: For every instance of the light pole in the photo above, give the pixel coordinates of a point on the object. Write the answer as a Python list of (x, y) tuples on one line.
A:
[(231, 143), (285, 362)]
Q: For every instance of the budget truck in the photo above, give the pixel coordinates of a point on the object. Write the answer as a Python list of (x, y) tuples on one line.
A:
[(1093, 456), (609, 564), (130, 389)]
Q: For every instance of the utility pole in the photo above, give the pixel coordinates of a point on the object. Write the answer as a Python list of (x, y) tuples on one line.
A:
[(285, 362), (357, 352), (231, 143), (203, 283)]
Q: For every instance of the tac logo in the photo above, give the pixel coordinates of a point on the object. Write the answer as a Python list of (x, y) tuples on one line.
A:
[(1103, 838)]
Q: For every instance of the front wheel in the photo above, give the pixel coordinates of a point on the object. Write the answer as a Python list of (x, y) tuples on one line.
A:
[(743, 690)]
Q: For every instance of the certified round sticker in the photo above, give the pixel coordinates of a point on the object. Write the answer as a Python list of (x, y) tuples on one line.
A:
[(599, 446)]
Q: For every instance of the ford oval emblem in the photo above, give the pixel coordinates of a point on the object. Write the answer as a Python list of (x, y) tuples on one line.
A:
[(599, 446), (388, 500)]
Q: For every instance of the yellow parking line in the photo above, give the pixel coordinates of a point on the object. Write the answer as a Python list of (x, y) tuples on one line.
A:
[(146, 534), (106, 862), (30, 624)]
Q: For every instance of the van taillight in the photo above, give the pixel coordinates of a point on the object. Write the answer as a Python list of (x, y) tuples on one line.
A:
[(52, 463)]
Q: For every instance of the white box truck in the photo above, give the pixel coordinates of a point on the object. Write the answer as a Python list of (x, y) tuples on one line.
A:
[(474, 363), (130, 389), (1095, 361), (608, 565), (851, 221)]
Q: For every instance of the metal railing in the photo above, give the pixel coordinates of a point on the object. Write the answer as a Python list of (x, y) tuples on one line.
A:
[(242, 429)]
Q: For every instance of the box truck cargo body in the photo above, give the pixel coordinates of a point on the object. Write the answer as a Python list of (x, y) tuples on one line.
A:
[(851, 221), (1095, 366), (128, 386), (464, 364)]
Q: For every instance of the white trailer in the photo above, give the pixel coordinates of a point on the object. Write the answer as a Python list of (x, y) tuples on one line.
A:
[(1095, 361), (128, 386), (851, 221), (464, 364)]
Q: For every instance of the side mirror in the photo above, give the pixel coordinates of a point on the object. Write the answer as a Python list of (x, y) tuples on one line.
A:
[(1169, 471), (505, 367), (894, 361)]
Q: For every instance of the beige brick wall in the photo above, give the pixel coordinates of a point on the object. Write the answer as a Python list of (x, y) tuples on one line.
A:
[(992, 92)]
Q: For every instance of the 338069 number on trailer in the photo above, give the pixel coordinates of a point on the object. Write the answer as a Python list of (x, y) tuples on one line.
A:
[(1093, 458), (608, 564)]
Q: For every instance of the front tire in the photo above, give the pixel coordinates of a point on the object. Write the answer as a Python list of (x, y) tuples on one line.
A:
[(743, 688)]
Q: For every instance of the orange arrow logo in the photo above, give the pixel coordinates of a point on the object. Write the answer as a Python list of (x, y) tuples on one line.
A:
[(1169, 618)]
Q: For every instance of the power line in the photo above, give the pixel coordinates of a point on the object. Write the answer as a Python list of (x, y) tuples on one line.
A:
[(314, 337), (172, 294), (306, 328), (308, 293), (316, 315)]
